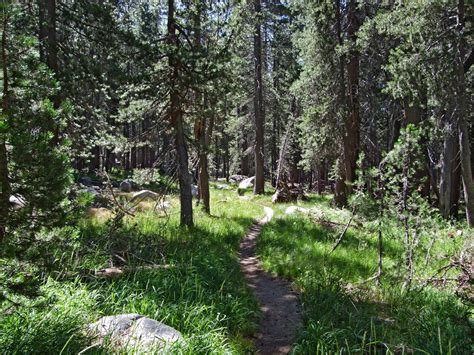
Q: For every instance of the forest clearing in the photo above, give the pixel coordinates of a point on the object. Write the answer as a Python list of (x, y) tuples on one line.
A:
[(236, 177)]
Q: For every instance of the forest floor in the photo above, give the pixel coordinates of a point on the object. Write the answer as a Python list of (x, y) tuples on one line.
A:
[(207, 281), (278, 302)]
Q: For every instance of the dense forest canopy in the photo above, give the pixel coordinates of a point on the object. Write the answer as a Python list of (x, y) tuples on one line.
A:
[(366, 103)]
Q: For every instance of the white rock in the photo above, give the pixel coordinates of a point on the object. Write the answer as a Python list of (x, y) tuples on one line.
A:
[(143, 194), (247, 183), (164, 205), (134, 330), (294, 209), (268, 215), (17, 201), (237, 178), (222, 187)]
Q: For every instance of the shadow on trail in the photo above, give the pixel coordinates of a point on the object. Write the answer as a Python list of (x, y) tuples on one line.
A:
[(342, 315), (280, 318)]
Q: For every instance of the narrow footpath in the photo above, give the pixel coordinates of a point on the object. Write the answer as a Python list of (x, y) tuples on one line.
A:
[(281, 315)]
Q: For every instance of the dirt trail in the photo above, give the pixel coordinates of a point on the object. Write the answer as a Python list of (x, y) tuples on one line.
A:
[(281, 315)]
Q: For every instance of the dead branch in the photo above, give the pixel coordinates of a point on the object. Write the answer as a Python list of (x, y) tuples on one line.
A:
[(339, 240)]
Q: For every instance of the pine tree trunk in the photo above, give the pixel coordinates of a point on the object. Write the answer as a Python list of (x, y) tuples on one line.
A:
[(244, 160), (351, 139), (258, 105), (464, 144), (48, 42), (49, 50), (351, 126), (202, 132), (203, 168), (414, 114), (449, 181), (4, 179), (176, 119)]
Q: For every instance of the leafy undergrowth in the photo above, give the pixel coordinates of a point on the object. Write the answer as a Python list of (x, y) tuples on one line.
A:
[(194, 285), (346, 313)]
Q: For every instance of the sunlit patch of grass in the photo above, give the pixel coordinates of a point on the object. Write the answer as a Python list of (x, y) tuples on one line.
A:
[(342, 311), (100, 214), (201, 291)]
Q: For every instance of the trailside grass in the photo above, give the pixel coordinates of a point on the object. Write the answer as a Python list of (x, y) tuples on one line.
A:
[(345, 313), (187, 278)]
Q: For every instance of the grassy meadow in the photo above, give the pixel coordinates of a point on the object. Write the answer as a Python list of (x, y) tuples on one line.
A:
[(190, 279)]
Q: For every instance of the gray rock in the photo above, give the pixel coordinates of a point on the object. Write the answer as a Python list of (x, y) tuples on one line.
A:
[(134, 330), (247, 183), (90, 190), (237, 178), (85, 180), (194, 190), (144, 194), (17, 201), (126, 186), (222, 187)]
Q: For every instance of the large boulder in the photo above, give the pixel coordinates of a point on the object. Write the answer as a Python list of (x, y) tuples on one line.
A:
[(134, 331), (126, 186), (237, 178), (144, 194), (246, 185), (17, 201)]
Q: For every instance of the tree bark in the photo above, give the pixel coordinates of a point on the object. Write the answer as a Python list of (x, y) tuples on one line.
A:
[(259, 187), (48, 39), (4, 179), (203, 175), (463, 129), (351, 126), (176, 119), (351, 141), (415, 114), (201, 131), (450, 175), (244, 160)]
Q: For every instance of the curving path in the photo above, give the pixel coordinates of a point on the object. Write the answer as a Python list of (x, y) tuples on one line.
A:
[(279, 304)]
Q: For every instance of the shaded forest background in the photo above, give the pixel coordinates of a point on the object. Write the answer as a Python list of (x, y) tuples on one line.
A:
[(357, 112), (318, 90)]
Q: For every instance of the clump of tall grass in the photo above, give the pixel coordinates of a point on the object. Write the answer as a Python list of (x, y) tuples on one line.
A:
[(343, 312), (187, 278)]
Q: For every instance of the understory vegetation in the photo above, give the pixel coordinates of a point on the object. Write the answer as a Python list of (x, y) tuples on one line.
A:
[(187, 278), (344, 309), (141, 141)]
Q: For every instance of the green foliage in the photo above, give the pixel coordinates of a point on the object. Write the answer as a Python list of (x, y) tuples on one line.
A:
[(343, 312), (38, 162), (50, 323), (188, 278)]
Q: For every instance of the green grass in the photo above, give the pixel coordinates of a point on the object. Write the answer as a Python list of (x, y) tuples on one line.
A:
[(342, 312), (201, 292)]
